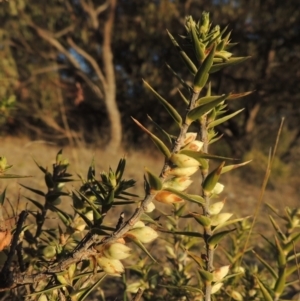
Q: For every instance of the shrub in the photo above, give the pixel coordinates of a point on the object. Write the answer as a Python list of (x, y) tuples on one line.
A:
[(72, 259)]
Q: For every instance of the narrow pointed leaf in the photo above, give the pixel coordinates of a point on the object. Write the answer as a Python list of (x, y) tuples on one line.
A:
[(160, 145), (153, 180), (188, 62), (183, 97), (44, 170), (230, 62), (215, 239), (2, 196), (13, 176), (88, 290), (201, 110), (230, 222), (212, 179), (201, 76), (185, 233), (188, 197), (266, 265), (40, 206), (208, 99), (39, 192), (223, 119), (169, 108), (198, 46), (161, 130), (239, 95), (201, 155), (141, 246), (231, 167), (266, 294), (179, 78)]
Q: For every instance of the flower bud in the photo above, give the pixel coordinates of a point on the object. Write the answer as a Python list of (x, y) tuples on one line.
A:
[(178, 183), (49, 251), (167, 197), (5, 239), (143, 234), (220, 219), (150, 208), (194, 146), (215, 288), (116, 251), (189, 137), (183, 171), (183, 160), (235, 295), (216, 207), (218, 188), (220, 273), (111, 266)]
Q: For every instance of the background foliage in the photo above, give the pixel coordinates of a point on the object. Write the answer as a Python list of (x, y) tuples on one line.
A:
[(44, 93)]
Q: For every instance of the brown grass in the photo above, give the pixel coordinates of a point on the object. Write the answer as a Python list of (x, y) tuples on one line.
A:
[(241, 195)]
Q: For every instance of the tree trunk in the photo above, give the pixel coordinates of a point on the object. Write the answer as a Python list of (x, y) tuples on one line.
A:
[(110, 89)]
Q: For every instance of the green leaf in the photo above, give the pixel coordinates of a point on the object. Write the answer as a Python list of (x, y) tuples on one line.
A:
[(39, 192), (223, 119), (186, 101), (179, 78), (201, 110), (239, 95), (94, 208), (212, 179), (44, 170), (201, 76), (185, 233), (169, 108), (141, 246), (201, 155), (230, 62), (65, 218), (215, 239), (86, 291), (188, 197), (161, 130), (13, 176), (231, 167), (86, 220), (153, 180), (264, 290), (40, 206), (120, 169), (188, 62), (160, 145), (199, 47), (208, 99), (183, 287), (2, 196), (266, 265)]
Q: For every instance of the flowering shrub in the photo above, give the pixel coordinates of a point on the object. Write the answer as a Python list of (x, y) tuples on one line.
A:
[(70, 260)]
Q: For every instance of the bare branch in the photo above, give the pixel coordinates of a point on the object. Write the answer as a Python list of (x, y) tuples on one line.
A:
[(90, 59), (49, 37), (92, 12)]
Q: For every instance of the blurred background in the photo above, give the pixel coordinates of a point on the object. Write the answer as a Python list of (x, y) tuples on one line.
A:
[(71, 72)]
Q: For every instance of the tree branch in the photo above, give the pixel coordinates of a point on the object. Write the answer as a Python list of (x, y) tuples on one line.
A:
[(90, 59)]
